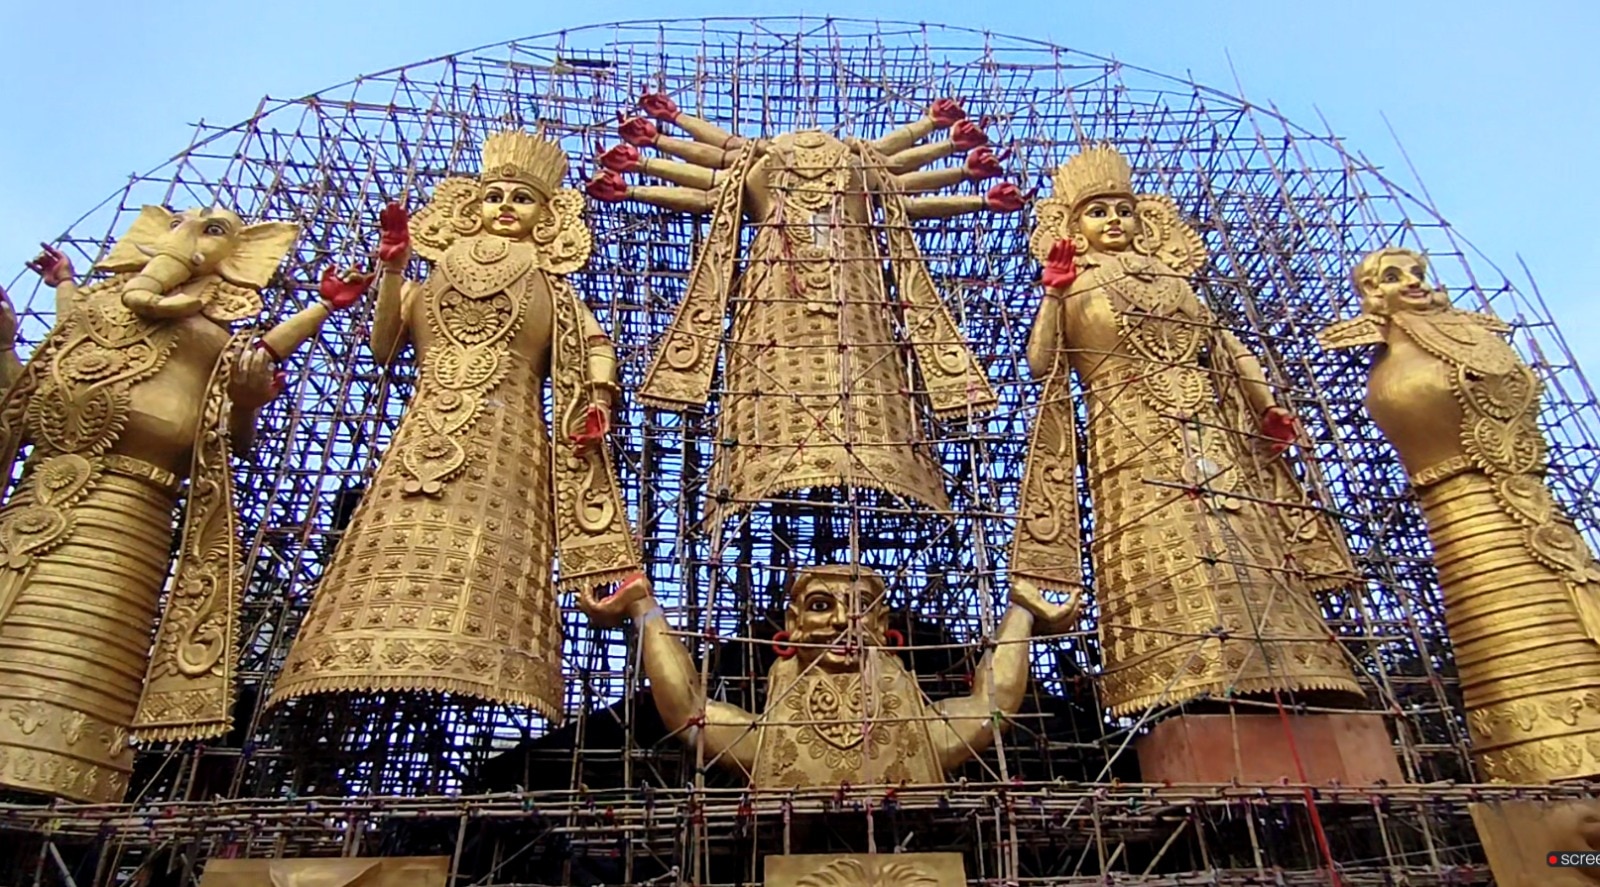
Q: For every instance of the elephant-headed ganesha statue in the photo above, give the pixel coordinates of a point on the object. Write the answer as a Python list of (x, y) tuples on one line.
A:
[(141, 384)]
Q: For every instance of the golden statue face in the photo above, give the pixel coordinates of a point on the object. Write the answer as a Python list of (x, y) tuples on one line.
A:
[(511, 209), (1108, 223), (822, 615), (1399, 282)]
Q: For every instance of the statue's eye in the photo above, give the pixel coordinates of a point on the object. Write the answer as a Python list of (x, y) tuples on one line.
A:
[(175, 224), (215, 229)]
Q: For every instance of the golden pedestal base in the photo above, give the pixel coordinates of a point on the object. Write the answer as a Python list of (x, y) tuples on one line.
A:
[(1519, 838), (865, 870), (396, 871), (1350, 749)]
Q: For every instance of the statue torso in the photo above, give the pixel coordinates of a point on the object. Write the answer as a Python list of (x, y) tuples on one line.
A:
[(485, 296), (804, 178), (1434, 364), (1129, 318), (824, 730), (119, 384)]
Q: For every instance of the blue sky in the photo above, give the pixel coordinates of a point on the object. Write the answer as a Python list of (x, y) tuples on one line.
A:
[(1492, 101)]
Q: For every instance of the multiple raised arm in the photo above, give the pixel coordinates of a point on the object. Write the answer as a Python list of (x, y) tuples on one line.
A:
[(697, 173)]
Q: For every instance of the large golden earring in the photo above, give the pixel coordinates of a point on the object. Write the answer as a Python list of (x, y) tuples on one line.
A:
[(546, 226), (1080, 243)]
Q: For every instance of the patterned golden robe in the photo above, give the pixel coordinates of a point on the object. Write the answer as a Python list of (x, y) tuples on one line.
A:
[(108, 404), (818, 381), (1167, 413), (443, 580)]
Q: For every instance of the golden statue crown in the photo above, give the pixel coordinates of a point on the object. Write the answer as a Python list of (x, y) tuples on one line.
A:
[(1093, 172), (517, 156)]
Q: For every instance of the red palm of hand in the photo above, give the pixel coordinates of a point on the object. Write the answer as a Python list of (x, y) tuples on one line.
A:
[(1004, 198), (608, 186), (659, 106), (1281, 427), (620, 158), (968, 135), (596, 424), (395, 242), (1060, 267), (946, 112), (638, 132), (982, 164), (343, 289)]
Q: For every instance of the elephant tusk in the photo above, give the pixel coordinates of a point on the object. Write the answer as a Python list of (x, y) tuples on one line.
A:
[(147, 250), (197, 260)]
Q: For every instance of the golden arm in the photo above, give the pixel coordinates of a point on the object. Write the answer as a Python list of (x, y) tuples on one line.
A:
[(696, 153), (966, 724), (689, 175), (944, 207), (707, 133), (1251, 376), (729, 732), (1048, 337), (906, 136), (604, 387), (10, 364), (932, 180), (687, 200), (916, 158), (389, 332), (10, 367), (274, 347)]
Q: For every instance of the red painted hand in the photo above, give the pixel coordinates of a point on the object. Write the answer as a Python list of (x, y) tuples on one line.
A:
[(52, 265), (945, 113), (344, 289), (1281, 427), (394, 246), (620, 158), (968, 135), (983, 164), (1060, 267), (596, 422), (1004, 198), (638, 132), (659, 106), (608, 187)]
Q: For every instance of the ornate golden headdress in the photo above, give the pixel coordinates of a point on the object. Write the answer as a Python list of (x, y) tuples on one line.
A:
[(1095, 172), (1102, 171), (562, 240), (517, 156)]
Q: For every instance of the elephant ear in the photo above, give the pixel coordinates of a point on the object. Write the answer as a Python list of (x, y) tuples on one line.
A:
[(257, 254), (152, 224)]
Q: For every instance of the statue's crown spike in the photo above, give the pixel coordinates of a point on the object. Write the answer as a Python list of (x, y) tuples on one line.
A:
[(1093, 172), (517, 156)]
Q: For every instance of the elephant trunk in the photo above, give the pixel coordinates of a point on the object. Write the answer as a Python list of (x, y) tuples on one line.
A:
[(164, 273)]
